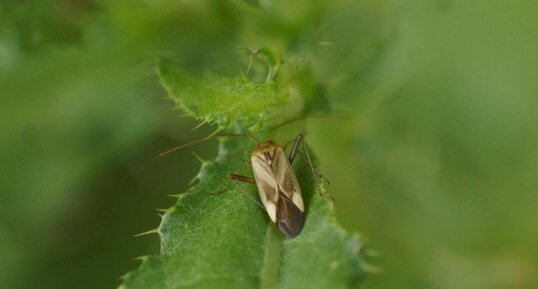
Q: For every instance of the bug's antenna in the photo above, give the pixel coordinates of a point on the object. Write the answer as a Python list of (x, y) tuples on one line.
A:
[(246, 193), (299, 118), (252, 138), (314, 172), (197, 140)]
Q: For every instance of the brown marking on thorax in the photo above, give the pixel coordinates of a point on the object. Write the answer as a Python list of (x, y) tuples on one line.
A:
[(266, 151)]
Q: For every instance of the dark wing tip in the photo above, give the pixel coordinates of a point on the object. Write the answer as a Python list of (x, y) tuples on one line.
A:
[(290, 220)]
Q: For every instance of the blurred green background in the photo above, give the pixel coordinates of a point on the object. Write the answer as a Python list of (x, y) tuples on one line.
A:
[(437, 169)]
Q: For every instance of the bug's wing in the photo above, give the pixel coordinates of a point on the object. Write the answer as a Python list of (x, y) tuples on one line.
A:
[(290, 219), (286, 179), (279, 190), (267, 186)]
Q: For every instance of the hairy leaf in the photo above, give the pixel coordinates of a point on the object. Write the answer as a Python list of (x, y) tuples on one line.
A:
[(226, 101), (226, 240)]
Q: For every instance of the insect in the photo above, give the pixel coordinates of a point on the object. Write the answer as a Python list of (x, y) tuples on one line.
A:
[(277, 185), (276, 181)]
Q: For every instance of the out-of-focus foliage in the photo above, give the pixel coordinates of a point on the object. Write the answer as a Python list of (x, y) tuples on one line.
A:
[(445, 149), (438, 168)]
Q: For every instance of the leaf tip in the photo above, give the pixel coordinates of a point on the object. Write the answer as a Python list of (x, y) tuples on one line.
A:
[(165, 211), (149, 232), (123, 278), (141, 258), (200, 124), (198, 158)]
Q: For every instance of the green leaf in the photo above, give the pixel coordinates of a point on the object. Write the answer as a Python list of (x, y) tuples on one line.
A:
[(227, 241), (226, 101)]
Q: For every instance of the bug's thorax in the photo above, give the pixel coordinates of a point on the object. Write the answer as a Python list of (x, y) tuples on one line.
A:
[(265, 151)]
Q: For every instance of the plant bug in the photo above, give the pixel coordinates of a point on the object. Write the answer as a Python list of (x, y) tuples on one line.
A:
[(276, 181), (274, 177), (277, 185)]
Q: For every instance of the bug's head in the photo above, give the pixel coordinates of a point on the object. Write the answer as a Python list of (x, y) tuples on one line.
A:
[(264, 145), (265, 150)]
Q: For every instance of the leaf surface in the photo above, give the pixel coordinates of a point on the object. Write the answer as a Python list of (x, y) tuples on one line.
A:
[(226, 101), (227, 240)]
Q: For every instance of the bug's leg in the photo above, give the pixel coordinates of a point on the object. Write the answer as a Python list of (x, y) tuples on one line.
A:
[(323, 178), (245, 179), (296, 150), (285, 146), (220, 191), (317, 175), (230, 178), (241, 178), (295, 147)]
